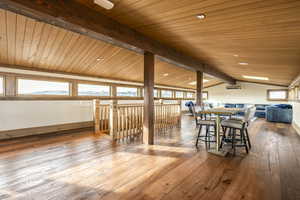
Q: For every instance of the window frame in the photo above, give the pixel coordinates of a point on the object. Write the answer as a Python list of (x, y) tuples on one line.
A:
[(277, 90), (92, 83), (125, 86), (42, 79)]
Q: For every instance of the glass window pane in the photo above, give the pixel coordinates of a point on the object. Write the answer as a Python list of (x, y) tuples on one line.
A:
[(93, 90), (1, 86), (179, 94), (205, 95), (37, 87), (127, 92), (166, 93), (278, 95), (189, 95), (155, 93)]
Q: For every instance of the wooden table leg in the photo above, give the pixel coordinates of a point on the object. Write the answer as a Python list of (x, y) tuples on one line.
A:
[(217, 151)]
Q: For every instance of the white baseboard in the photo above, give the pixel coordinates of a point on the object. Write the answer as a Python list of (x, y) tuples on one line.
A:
[(296, 127)]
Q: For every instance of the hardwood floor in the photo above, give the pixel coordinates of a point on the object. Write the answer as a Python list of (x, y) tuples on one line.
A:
[(81, 166)]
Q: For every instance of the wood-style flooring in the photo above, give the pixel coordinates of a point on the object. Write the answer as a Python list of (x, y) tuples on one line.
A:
[(82, 166)]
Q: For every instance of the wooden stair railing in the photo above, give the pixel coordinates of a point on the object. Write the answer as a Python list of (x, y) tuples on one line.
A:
[(123, 121)]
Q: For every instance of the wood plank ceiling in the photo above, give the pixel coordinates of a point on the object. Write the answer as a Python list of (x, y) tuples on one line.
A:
[(27, 42), (263, 33)]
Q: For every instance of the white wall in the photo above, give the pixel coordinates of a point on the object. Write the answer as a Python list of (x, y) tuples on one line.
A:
[(29, 114), (296, 115), (251, 93)]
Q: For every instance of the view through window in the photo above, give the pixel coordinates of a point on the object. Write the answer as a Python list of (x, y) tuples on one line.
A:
[(127, 92), (277, 94), (93, 90), (179, 94), (166, 93), (205, 95), (40, 87), (189, 95)]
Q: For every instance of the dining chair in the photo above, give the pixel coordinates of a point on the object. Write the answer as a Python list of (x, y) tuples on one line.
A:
[(208, 124), (241, 125)]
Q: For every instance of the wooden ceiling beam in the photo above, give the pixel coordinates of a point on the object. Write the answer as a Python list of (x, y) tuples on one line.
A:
[(295, 82), (75, 17)]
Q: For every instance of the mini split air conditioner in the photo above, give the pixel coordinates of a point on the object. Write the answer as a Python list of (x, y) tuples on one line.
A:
[(233, 87)]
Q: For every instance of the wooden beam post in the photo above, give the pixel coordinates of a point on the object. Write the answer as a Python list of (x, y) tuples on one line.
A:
[(113, 119), (199, 99), (148, 128)]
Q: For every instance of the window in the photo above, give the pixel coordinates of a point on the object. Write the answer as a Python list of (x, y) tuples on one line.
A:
[(277, 95), (189, 95), (179, 94), (205, 95), (93, 90), (155, 93), (1, 85), (166, 93), (39, 87), (127, 92)]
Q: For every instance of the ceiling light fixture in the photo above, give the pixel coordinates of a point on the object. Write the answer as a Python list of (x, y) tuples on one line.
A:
[(201, 16), (166, 74), (195, 82), (98, 59), (256, 78), (243, 63), (104, 4), (235, 55)]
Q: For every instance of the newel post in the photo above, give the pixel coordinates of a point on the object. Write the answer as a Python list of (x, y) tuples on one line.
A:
[(96, 115), (180, 111), (113, 119)]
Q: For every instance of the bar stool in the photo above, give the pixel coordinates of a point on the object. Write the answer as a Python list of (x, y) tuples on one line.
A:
[(238, 124), (208, 124)]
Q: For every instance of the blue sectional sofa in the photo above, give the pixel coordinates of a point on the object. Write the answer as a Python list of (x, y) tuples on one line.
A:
[(261, 110), (279, 113)]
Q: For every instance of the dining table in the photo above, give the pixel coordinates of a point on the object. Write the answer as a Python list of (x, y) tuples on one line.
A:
[(219, 112)]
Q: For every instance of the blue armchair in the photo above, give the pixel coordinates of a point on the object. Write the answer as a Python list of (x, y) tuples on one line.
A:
[(280, 113)]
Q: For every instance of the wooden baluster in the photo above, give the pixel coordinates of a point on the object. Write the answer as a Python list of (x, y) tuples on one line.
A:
[(113, 119), (119, 123), (129, 121), (106, 117), (101, 118)]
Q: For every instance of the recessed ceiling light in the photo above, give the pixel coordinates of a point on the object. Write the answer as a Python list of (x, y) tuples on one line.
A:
[(235, 55), (98, 59), (201, 16), (166, 74), (195, 82), (104, 4), (243, 63), (256, 77)]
